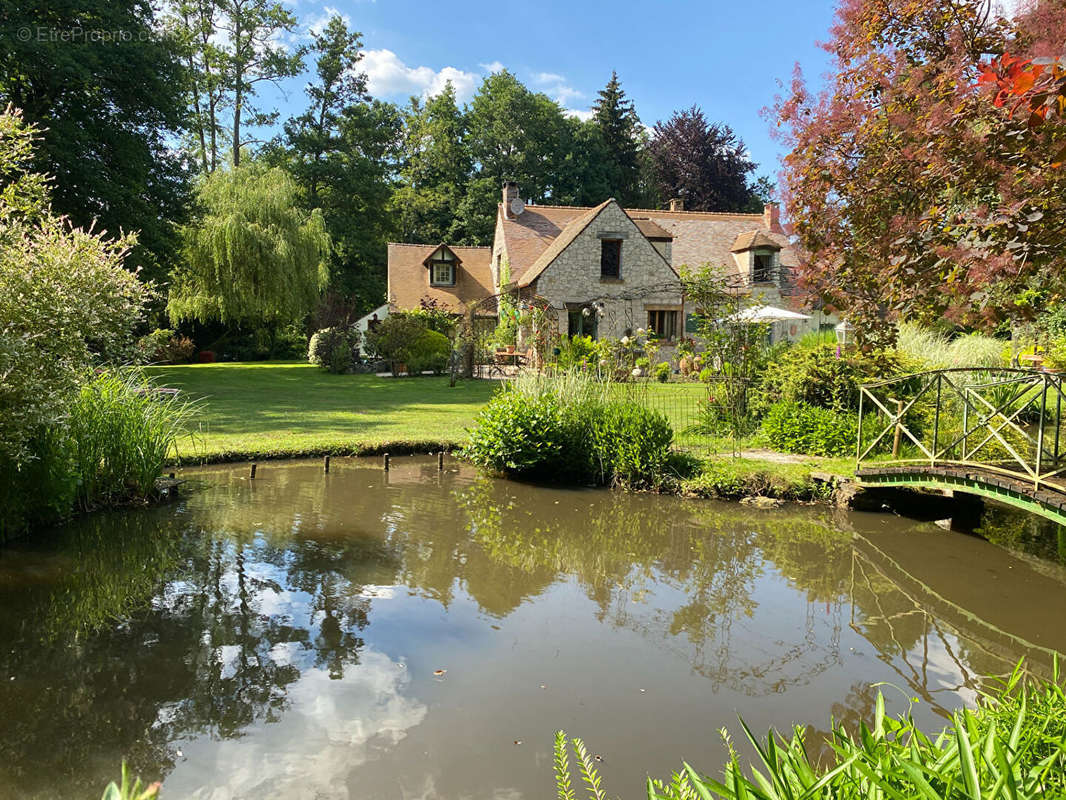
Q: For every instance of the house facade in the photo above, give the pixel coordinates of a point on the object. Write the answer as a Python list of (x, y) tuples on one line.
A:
[(605, 270)]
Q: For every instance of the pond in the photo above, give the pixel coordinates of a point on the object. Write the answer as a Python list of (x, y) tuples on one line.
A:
[(363, 634)]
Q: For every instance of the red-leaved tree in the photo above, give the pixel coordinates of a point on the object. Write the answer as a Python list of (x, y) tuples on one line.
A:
[(916, 187)]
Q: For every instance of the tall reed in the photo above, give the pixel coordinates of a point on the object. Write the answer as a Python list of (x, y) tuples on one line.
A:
[(121, 432), (111, 447)]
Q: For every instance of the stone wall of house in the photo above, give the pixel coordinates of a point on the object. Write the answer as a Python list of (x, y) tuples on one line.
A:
[(646, 282)]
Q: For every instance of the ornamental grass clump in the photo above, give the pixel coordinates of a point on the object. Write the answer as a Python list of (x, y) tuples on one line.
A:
[(110, 447), (570, 428), (1012, 747)]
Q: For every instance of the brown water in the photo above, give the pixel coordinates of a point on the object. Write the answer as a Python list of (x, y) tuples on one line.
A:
[(280, 637)]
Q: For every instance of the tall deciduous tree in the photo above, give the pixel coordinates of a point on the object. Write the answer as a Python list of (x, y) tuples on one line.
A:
[(252, 256), (230, 48), (913, 194), (703, 163), (103, 85), (436, 165), (619, 129), (341, 153), (514, 134)]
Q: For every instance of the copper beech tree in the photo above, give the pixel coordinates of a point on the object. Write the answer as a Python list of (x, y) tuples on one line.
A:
[(917, 188)]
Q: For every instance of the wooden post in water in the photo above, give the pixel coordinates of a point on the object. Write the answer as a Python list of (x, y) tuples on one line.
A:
[(440, 461), (253, 469), (385, 462), (898, 435), (325, 464)]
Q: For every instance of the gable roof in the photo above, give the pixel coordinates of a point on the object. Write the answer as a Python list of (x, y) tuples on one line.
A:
[(409, 277), (442, 246), (572, 230), (575, 228), (753, 239), (698, 237)]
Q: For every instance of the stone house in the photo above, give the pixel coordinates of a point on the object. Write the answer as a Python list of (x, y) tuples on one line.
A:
[(605, 270)]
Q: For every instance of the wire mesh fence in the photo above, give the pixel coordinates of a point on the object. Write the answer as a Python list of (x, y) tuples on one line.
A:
[(685, 406)]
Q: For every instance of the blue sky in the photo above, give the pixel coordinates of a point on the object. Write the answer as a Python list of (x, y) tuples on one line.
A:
[(726, 57)]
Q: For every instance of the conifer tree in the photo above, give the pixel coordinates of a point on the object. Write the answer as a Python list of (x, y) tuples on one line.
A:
[(619, 129)]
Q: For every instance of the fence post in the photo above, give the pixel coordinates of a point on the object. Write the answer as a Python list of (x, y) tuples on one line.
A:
[(936, 419), (965, 422), (898, 433), (1058, 416), (1040, 433), (858, 443)]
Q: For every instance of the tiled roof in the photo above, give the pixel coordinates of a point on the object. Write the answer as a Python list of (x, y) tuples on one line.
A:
[(650, 229), (572, 230), (528, 235), (409, 277), (753, 239), (699, 237)]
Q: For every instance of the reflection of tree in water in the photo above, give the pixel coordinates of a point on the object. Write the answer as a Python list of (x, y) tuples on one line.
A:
[(205, 648), (622, 548), (1023, 532)]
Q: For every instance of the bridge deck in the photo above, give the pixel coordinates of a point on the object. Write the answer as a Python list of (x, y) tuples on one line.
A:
[(1049, 500)]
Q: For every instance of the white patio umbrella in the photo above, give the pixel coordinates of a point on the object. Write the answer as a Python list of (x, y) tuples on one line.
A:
[(766, 314)]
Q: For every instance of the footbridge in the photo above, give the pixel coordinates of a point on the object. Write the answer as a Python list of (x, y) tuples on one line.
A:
[(991, 432)]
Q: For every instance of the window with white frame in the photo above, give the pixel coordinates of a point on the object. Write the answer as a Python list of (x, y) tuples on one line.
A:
[(442, 268)]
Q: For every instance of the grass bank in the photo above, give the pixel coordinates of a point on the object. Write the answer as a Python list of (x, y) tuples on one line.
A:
[(265, 410), (286, 410), (727, 478)]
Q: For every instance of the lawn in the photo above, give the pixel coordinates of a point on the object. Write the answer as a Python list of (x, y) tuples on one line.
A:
[(288, 409), (278, 409)]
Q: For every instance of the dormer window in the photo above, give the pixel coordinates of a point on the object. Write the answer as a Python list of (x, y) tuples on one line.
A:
[(759, 253), (762, 266), (442, 266)]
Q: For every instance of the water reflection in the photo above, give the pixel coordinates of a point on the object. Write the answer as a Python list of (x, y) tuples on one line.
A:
[(279, 637)]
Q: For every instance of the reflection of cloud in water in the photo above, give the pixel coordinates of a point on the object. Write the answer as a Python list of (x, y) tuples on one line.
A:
[(942, 668), (329, 728)]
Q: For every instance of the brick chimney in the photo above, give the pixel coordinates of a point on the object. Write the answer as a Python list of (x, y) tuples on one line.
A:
[(677, 204), (510, 193), (771, 217)]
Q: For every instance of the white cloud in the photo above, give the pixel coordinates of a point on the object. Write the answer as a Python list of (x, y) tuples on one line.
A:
[(548, 77), (557, 87), (584, 116), (388, 76), (317, 22), (564, 94), (493, 66)]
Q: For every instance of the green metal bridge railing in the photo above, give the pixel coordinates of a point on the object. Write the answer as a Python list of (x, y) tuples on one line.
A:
[(1003, 420)]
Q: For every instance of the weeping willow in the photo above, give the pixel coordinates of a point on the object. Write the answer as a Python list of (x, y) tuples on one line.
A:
[(253, 254)]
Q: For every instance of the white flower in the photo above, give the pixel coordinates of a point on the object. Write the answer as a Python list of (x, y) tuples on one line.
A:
[(636, 372), (603, 362), (640, 331), (625, 340)]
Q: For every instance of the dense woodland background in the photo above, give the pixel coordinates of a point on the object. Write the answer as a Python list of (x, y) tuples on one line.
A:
[(133, 130)]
